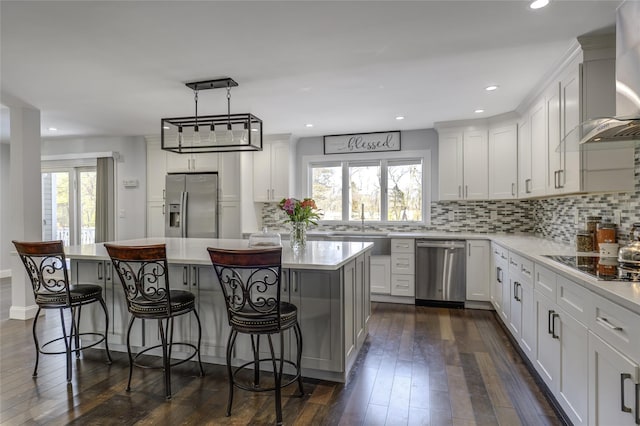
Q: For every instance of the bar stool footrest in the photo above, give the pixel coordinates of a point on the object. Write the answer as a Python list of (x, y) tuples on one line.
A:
[(178, 362), (102, 339), (255, 389)]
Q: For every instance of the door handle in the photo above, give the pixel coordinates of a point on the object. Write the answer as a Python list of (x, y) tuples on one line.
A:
[(553, 323), (195, 277), (561, 178), (637, 403), (99, 271), (466, 191), (606, 323), (459, 191), (526, 186), (513, 189), (549, 314), (499, 274), (624, 408)]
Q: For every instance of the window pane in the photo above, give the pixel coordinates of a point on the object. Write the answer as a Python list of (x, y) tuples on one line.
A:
[(326, 190), (87, 207), (404, 194), (56, 207), (364, 189)]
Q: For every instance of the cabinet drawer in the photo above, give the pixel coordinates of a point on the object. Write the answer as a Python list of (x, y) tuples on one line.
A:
[(616, 325), (499, 252), (573, 298), (403, 285), (403, 263), (545, 281), (521, 266), (403, 245)]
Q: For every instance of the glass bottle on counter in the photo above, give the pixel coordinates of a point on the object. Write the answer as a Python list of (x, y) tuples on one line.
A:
[(607, 233), (584, 241), (592, 227)]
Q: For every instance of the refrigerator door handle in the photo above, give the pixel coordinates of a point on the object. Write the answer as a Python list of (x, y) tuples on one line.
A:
[(445, 275), (183, 209)]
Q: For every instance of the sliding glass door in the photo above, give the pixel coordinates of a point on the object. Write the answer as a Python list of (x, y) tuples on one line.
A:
[(69, 205)]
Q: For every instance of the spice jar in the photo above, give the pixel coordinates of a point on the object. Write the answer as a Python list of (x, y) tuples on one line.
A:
[(592, 227), (584, 241), (606, 233)]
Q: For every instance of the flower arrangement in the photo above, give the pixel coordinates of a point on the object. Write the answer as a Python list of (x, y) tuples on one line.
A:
[(304, 211)]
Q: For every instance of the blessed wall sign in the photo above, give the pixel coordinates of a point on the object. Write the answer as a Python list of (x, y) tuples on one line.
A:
[(362, 142)]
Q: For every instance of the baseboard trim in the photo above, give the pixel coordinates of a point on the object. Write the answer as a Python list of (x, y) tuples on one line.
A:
[(5, 273), (385, 298), (23, 312)]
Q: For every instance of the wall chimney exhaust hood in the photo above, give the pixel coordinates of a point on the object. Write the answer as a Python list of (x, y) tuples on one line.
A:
[(626, 125)]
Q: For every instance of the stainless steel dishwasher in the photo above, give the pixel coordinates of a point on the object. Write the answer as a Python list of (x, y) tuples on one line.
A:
[(440, 273)]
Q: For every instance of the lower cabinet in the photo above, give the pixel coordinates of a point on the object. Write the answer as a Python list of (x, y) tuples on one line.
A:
[(381, 274), (478, 273), (614, 393)]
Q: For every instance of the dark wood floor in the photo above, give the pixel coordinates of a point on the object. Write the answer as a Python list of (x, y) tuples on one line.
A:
[(419, 366)]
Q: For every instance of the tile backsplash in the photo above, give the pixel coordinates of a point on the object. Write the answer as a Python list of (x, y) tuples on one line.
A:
[(552, 218)]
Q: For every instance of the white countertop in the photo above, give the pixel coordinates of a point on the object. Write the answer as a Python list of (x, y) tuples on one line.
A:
[(325, 255)]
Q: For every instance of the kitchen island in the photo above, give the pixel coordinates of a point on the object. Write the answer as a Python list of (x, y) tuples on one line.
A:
[(328, 281)]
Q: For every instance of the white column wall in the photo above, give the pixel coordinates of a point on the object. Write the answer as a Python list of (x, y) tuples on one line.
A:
[(26, 208)]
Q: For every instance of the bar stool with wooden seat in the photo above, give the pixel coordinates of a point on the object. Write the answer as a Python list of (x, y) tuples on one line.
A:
[(143, 272), (46, 267), (250, 281)]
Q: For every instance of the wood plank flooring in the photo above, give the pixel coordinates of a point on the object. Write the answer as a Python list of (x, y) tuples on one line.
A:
[(419, 366)]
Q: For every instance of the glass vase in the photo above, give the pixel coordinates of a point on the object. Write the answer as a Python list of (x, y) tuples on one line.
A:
[(298, 237)]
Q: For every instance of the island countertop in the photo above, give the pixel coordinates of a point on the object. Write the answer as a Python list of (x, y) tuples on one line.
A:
[(318, 255)]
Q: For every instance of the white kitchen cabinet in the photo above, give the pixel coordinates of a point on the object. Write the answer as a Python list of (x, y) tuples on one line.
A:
[(503, 162), (381, 274), (156, 170), (403, 267), (478, 270), (561, 352), (532, 152), (463, 158), (192, 163), (614, 381), (155, 219), (499, 256), (521, 310), (271, 172), (229, 224), (229, 177)]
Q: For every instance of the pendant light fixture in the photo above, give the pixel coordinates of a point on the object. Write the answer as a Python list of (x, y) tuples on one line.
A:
[(212, 133)]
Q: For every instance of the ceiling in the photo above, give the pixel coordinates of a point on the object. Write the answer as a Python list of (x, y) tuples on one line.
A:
[(118, 67)]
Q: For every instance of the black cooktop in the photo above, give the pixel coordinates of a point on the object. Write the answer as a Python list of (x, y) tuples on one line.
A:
[(602, 268)]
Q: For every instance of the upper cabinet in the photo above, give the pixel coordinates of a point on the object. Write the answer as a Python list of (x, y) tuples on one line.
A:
[(463, 164), (271, 171), (532, 152), (503, 162), (192, 163)]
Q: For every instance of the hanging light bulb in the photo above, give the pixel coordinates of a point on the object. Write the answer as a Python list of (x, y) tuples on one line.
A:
[(196, 130), (212, 135), (180, 136)]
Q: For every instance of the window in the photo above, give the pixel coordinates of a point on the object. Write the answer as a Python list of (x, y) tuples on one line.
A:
[(376, 190)]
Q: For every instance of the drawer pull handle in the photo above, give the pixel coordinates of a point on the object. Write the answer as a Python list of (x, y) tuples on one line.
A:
[(606, 323), (623, 377), (553, 322), (637, 403)]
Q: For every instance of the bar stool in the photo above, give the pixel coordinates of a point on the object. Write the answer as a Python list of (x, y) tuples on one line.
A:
[(46, 267), (250, 280), (143, 272)]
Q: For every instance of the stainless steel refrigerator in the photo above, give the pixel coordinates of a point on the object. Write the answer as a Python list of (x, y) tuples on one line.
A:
[(192, 205)]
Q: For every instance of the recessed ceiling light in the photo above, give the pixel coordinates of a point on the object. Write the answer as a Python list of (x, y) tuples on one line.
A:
[(308, 125), (53, 129), (478, 111), (400, 117), (491, 88), (537, 4)]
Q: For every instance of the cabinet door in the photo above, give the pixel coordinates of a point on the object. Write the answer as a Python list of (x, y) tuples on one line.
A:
[(262, 174), (515, 311), (229, 176), (204, 162), (178, 162), (279, 170), (506, 296), (381, 274), (573, 380), (403, 285), (91, 272), (554, 150), (611, 385), (213, 315), (156, 171), (528, 323), (361, 331), (450, 165), (496, 283), (317, 296), (524, 158), (349, 287), (503, 162), (155, 219), (570, 117), (230, 220), (478, 274), (547, 359), (539, 161), (476, 165)]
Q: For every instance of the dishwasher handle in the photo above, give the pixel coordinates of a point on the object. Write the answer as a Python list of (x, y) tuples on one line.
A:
[(441, 244)]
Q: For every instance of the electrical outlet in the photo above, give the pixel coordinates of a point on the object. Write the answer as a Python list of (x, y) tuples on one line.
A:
[(493, 215), (452, 216), (617, 217), (576, 217)]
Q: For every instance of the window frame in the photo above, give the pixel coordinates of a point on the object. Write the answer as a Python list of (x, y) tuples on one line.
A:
[(389, 158)]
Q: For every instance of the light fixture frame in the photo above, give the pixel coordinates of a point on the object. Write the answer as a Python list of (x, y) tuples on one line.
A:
[(233, 122)]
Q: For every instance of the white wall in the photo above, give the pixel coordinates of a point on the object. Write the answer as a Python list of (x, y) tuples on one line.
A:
[(5, 210), (131, 164), (410, 140)]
